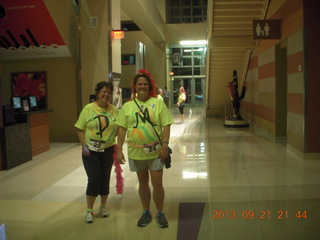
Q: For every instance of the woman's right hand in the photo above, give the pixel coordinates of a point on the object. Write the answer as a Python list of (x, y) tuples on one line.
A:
[(120, 157), (85, 151)]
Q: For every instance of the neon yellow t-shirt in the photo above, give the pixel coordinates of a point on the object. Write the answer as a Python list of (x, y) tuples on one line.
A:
[(142, 140), (182, 97), (99, 126)]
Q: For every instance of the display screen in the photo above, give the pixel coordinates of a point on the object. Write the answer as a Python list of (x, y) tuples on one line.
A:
[(16, 102), (33, 101)]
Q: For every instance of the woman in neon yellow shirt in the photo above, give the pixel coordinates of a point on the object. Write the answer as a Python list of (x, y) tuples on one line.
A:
[(146, 122), (96, 130), (181, 102)]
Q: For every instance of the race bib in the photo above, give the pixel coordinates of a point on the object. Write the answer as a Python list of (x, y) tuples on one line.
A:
[(150, 148), (96, 146)]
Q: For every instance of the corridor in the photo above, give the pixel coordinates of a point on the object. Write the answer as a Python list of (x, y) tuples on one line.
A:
[(224, 184)]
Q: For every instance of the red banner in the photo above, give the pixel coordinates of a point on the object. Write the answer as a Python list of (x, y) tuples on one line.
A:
[(27, 30)]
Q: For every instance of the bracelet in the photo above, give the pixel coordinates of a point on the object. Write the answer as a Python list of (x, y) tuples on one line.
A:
[(166, 142)]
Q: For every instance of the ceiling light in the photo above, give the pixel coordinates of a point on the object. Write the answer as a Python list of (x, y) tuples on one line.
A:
[(195, 42)]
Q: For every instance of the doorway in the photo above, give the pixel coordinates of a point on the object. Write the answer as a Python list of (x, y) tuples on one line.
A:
[(194, 86), (281, 89)]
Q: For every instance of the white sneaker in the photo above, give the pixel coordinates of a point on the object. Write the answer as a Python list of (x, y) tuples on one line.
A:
[(104, 212), (89, 218)]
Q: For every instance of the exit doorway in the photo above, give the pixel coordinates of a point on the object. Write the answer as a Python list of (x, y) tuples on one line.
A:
[(194, 86)]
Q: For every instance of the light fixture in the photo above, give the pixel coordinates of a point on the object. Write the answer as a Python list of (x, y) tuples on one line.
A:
[(193, 42), (117, 34)]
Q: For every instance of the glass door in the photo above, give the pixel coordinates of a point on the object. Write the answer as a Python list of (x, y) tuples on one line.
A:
[(199, 87), (193, 86)]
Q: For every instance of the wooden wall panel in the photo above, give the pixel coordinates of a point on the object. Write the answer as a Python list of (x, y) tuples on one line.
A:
[(39, 129)]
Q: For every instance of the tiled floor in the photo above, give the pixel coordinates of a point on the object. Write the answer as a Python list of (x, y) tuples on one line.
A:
[(249, 186)]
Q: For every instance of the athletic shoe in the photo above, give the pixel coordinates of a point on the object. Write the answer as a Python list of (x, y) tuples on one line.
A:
[(161, 220), (104, 212), (89, 218), (145, 219)]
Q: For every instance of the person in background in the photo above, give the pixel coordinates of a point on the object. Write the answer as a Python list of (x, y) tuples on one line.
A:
[(144, 121), (166, 96), (160, 93), (117, 94), (181, 102), (96, 130)]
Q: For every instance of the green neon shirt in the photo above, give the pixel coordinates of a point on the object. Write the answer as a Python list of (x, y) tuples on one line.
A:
[(98, 124), (140, 134)]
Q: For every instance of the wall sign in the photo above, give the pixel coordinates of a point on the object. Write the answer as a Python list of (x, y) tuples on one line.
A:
[(176, 57), (267, 29)]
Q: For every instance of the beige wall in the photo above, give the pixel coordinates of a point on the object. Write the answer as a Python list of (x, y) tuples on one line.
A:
[(155, 61), (94, 46), (264, 106), (66, 21)]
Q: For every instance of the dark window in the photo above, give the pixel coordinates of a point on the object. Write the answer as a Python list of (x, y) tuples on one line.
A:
[(186, 11), (196, 71), (182, 71), (129, 26), (128, 59), (187, 62), (174, 3)]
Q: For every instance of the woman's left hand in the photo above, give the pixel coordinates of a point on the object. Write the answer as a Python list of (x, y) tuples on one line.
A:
[(164, 152)]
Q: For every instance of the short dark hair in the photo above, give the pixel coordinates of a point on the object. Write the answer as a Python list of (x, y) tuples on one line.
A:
[(103, 84)]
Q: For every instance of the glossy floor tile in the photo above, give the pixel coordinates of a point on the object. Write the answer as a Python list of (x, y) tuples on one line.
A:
[(224, 184)]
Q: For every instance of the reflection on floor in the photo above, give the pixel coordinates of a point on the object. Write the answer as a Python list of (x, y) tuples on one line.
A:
[(223, 184)]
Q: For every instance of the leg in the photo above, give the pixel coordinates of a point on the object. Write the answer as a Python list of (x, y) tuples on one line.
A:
[(106, 163), (90, 201), (181, 108), (144, 189), (104, 199), (158, 190), (91, 166), (106, 160), (145, 196), (158, 197)]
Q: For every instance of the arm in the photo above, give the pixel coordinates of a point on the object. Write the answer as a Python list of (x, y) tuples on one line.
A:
[(82, 140), (120, 140), (179, 100), (165, 142)]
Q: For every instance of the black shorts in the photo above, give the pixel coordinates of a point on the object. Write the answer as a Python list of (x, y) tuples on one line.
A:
[(181, 107)]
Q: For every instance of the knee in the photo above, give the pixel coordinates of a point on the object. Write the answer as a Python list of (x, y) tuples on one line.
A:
[(157, 183)]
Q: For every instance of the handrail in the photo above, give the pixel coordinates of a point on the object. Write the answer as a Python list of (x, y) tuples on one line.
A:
[(245, 71), (246, 66)]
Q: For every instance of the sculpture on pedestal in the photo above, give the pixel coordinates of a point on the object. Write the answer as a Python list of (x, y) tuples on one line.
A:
[(235, 120)]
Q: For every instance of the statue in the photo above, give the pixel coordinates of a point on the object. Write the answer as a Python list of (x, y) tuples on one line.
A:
[(235, 120)]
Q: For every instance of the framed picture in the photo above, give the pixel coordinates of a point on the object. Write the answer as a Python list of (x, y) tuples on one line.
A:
[(25, 84)]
